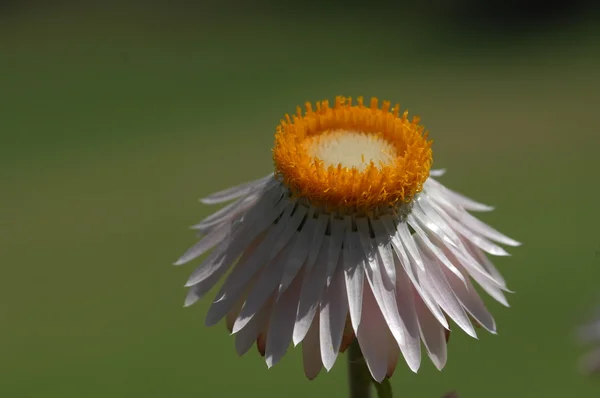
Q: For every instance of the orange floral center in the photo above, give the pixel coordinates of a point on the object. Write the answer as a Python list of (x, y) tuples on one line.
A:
[(352, 157)]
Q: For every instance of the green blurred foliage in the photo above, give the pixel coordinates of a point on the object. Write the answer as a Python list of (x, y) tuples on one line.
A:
[(114, 120)]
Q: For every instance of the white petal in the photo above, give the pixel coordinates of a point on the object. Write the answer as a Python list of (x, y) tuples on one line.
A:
[(335, 247), (438, 190), (311, 359), (472, 266), (197, 291), (225, 214), (267, 283), (437, 173), (409, 266), (281, 324), (477, 225), (589, 333), (393, 355), (319, 234), (290, 222), (490, 285), (249, 230), (258, 259), (409, 242), (435, 282), (382, 237), (205, 244), (334, 310), (435, 250), (299, 252), (235, 310), (467, 233), (406, 309), (354, 264), (486, 263), (385, 297), (471, 301), (246, 337), (227, 295), (386, 300), (236, 191), (371, 335), (312, 288), (433, 222), (432, 333), (368, 246)]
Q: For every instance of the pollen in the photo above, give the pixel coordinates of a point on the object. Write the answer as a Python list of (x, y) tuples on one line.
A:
[(352, 157)]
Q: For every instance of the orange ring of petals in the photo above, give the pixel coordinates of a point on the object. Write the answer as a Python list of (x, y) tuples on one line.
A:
[(339, 188)]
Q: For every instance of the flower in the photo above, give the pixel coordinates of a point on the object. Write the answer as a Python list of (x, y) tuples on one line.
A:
[(590, 334), (351, 237)]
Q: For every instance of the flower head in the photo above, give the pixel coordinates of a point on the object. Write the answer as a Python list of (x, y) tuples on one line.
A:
[(590, 334), (351, 237)]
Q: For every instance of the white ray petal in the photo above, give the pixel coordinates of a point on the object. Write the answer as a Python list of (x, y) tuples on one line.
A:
[(435, 282), (354, 265), (299, 252), (432, 334), (382, 238), (435, 250), (335, 248), (371, 335), (409, 243), (474, 224), (385, 297), (408, 265), (229, 293), (260, 258), (281, 325), (205, 244), (393, 354), (473, 266), (246, 337), (233, 213), (438, 190), (482, 259), (232, 315), (333, 313), (490, 284), (452, 216), (311, 360), (312, 289), (225, 214), (386, 300), (291, 222), (197, 291), (437, 173), (267, 282), (368, 246), (428, 215), (490, 288), (406, 309), (217, 263), (319, 234), (237, 191), (471, 302), (249, 230), (478, 240)]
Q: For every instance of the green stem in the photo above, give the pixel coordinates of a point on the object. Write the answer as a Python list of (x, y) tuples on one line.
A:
[(384, 389), (359, 376)]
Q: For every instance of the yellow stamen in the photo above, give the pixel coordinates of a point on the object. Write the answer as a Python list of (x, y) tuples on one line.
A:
[(394, 175)]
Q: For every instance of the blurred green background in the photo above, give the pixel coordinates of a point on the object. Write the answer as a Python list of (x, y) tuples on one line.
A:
[(114, 119)]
